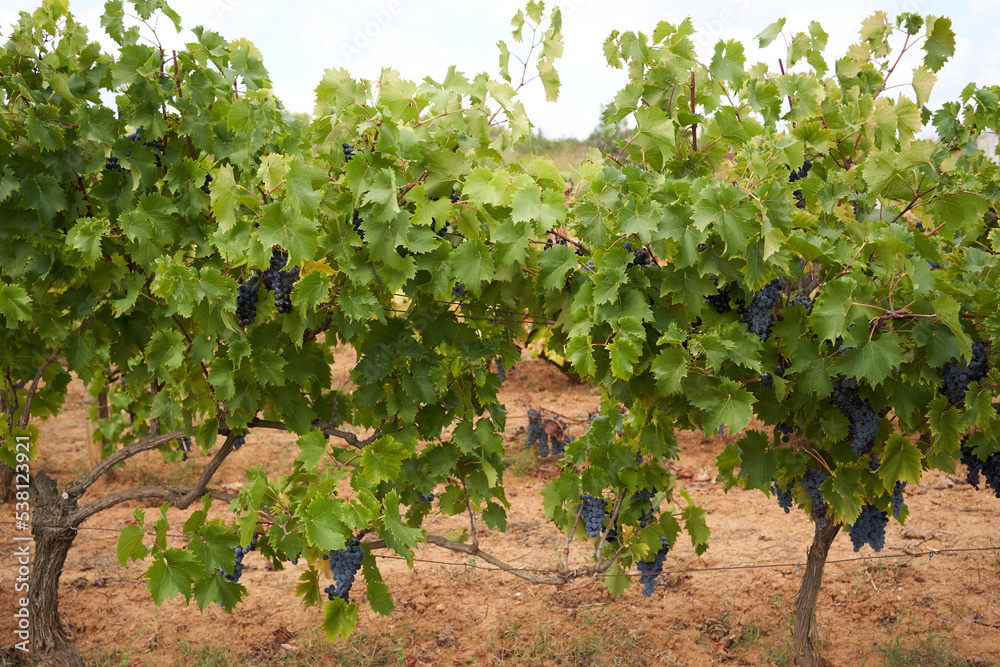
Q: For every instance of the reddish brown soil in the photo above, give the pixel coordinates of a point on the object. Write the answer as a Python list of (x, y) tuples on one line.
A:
[(453, 610)]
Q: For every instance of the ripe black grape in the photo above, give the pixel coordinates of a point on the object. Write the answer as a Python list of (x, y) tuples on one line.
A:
[(246, 300), (593, 514), (972, 462), (559, 446), (501, 371), (957, 374), (536, 433), (348, 151), (785, 430), (784, 497), (278, 262), (641, 257), (356, 221), (112, 165), (651, 569), (757, 315), (766, 380), (720, 301), (344, 564), (869, 528), (241, 440), (646, 495), (239, 553), (204, 188), (426, 499), (864, 421), (811, 482), (796, 175), (184, 446), (283, 282), (457, 291), (897, 499)]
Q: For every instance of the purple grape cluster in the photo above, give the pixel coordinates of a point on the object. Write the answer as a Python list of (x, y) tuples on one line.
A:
[(536, 433), (344, 564), (784, 497), (241, 440), (757, 315), (720, 301), (797, 175), (651, 569), (184, 446), (239, 553), (898, 505), (957, 374), (425, 499), (811, 482), (204, 188), (283, 283), (593, 514), (246, 300), (501, 371), (863, 419), (348, 151), (785, 430), (990, 468), (869, 528), (646, 495), (277, 263)]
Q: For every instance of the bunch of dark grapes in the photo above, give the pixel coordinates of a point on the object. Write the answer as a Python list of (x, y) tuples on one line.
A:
[(559, 446), (990, 468), (864, 420), (796, 175), (536, 433), (651, 569), (156, 145), (873, 463), (766, 380), (640, 257), (344, 564), (720, 301), (869, 528), (348, 151), (278, 262), (501, 371), (811, 482), (112, 165), (972, 462), (184, 446), (593, 514), (283, 282), (239, 553), (356, 221), (241, 440), (784, 497), (646, 495), (204, 188), (757, 315), (958, 374), (785, 430), (457, 291), (897, 499), (801, 301), (426, 499), (246, 300)]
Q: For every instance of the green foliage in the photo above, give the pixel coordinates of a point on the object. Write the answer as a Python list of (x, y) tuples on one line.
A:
[(129, 224)]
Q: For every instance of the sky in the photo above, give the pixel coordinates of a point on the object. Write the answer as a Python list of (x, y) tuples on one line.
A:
[(421, 38)]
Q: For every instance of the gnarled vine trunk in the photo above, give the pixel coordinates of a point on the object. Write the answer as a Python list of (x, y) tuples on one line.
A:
[(53, 539), (805, 634)]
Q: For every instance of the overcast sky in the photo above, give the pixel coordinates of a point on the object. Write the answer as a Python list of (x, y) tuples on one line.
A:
[(422, 38)]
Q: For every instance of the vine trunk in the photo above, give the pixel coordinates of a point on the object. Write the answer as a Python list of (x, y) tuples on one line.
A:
[(805, 634)]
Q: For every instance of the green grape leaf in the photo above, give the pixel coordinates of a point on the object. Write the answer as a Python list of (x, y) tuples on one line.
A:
[(900, 461), (339, 619), (173, 572)]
